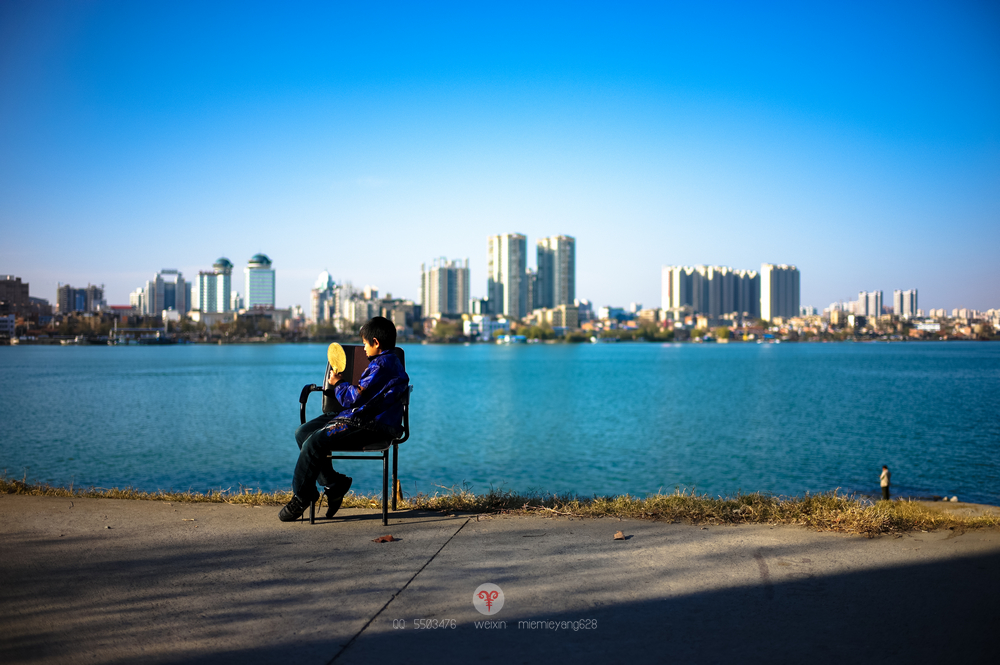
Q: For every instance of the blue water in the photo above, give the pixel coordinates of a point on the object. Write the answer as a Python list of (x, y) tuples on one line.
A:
[(579, 419)]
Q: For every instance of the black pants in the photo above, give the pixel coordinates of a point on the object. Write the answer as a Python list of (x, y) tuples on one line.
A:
[(885, 493), (314, 445)]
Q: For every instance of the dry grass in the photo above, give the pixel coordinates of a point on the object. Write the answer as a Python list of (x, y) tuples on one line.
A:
[(826, 512)]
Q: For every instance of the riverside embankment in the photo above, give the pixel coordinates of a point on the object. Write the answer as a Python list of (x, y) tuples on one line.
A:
[(116, 581)]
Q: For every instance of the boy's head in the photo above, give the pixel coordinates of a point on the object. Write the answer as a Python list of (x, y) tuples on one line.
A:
[(382, 330)]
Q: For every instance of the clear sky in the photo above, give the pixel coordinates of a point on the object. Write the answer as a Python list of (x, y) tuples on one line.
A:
[(859, 141)]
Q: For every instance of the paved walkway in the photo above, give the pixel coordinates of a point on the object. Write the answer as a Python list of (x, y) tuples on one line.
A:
[(108, 581)]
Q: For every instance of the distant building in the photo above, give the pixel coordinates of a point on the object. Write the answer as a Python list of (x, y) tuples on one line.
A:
[(483, 326), (479, 306), (711, 290), (561, 317), (166, 291), (904, 303), (214, 288), (322, 299), (556, 260), (779, 291), (259, 290), (868, 304), (89, 299), (506, 286), (609, 313), (532, 290), (444, 288), (13, 295)]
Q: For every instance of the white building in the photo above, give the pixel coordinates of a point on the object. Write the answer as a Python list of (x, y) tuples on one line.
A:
[(779, 291), (904, 303), (322, 299), (482, 326), (213, 292), (506, 285), (444, 288), (711, 290), (556, 259), (869, 303), (259, 280), (166, 291)]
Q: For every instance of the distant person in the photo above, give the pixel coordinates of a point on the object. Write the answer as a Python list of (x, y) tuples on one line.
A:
[(371, 411), (884, 482)]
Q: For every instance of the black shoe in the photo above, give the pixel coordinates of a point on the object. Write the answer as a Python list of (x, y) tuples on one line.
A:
[(293, 510), (335, 495)]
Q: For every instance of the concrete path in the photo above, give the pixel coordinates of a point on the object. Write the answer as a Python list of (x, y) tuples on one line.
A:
[(216, 583)]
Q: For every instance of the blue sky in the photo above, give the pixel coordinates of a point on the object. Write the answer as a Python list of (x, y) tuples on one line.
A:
[(859, 141)]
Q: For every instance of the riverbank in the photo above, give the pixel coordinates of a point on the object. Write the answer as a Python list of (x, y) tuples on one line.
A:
[(99, 580), (825, 512)]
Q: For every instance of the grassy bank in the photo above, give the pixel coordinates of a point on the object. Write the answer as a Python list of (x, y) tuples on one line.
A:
[(827, 512)]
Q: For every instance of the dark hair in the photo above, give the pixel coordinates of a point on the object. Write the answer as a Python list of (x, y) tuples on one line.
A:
[(382, 329)]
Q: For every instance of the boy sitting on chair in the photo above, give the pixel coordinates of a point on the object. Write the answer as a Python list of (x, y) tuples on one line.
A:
[(371, 412)]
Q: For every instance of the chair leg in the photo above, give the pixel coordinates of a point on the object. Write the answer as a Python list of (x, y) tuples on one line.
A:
[(395, 467), (385, 488), (312, 512)]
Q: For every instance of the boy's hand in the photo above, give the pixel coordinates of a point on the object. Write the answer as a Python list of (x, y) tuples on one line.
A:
[(334, 378)]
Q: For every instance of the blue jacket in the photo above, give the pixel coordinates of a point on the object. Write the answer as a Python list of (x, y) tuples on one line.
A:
[(377, 399)]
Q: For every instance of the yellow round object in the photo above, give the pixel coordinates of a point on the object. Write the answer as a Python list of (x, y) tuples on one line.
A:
[(338, 359)]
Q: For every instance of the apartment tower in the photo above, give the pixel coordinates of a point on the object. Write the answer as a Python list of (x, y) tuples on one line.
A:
[(711, 290), (556, 258), (779, 291), (904, 303), (506, 283), (444, 288)]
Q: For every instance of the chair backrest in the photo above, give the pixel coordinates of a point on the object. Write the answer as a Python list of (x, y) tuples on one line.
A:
[(357, 361)]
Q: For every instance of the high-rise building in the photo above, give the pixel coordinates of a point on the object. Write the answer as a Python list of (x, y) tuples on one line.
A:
[(556, 258), (89, 299), (14, 294), (214, 292), (711, 290), (259, 282), (167, 290), (444, 288), (322, 299), (506, 286), (532, 289), (869, 303), (904, 303), (779, 291)]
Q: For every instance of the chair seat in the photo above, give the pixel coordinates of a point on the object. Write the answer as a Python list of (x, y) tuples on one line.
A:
[(374, 447)]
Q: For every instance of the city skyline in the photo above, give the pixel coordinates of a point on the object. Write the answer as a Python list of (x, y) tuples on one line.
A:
[(858, 147), (260, 263)]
